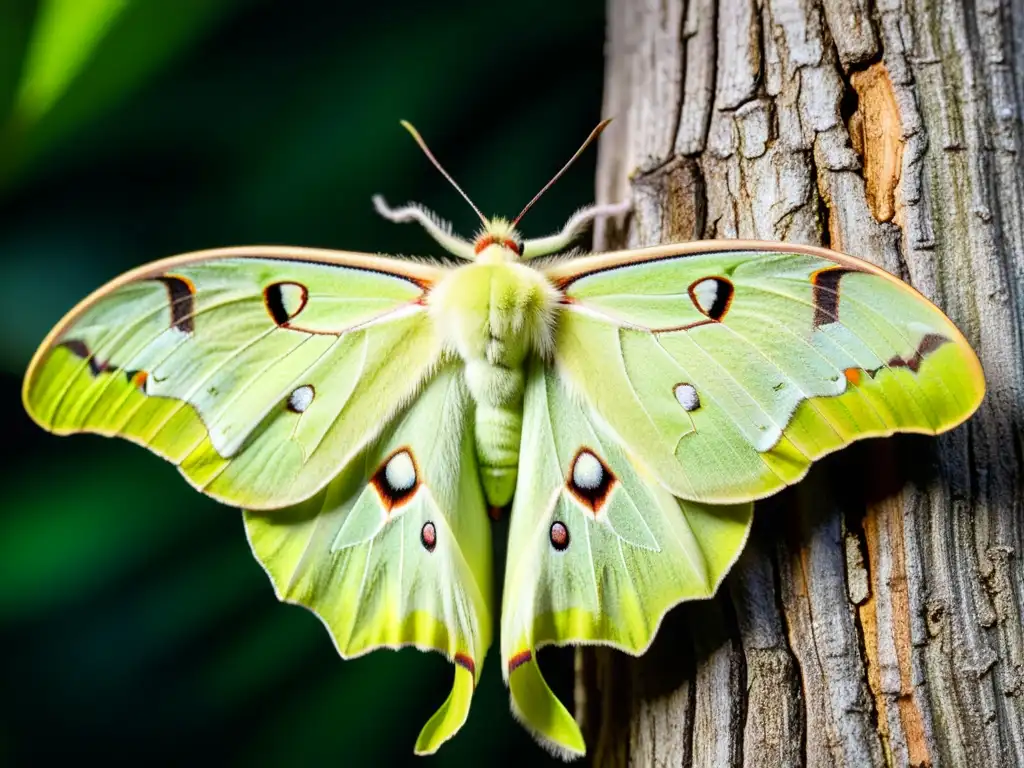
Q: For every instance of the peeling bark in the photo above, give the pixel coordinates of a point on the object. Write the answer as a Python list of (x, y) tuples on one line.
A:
[(875, 618)]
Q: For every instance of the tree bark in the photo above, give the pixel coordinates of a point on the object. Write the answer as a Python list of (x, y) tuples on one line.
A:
[(875, 617)]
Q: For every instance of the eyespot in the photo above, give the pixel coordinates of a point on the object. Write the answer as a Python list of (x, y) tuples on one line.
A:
[(428, 536), (587, 472), (400, 472), (397, 479), (301, 398), (687, 396), (559, 536), (590, 480), (285, 300), (711, 296)]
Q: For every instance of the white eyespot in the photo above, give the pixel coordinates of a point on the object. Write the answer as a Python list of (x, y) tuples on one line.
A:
[(705, 294), (300, 399), (400, 472), (587, 472), (285, 300), (687, 396)]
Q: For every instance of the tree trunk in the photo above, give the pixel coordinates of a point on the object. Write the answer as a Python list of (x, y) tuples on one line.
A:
[(875, 617)]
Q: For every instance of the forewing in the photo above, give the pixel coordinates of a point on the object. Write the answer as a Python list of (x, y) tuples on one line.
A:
[(599, 550), (396, 550), (729, 368), (258, 371)]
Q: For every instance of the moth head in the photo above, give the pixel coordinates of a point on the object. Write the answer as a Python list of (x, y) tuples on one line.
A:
[(501, 233)]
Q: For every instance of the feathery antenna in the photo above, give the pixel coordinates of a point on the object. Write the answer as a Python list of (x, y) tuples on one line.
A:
[(430, 156), (593, 135)]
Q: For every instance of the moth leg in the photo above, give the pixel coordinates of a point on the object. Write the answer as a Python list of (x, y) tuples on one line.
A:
[(543, 246), (436, 227)]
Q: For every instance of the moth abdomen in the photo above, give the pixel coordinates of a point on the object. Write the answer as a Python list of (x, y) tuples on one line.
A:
[(498, 432), (498, 392)]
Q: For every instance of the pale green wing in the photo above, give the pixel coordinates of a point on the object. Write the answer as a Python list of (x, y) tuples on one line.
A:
[(396, 550), (599, 551), (730, 367), (259, 371)]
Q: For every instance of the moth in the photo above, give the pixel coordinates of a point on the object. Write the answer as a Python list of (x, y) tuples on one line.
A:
[(369, 413)]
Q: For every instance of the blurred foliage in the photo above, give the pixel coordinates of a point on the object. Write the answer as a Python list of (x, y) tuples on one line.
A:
[(135, 623)]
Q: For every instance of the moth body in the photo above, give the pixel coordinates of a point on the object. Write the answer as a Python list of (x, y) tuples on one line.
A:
[(493, 313)]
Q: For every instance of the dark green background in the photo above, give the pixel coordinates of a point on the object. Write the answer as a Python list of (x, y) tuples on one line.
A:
[(135, 622)]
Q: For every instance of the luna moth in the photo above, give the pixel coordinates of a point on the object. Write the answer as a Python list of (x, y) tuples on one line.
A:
[(368, 413)]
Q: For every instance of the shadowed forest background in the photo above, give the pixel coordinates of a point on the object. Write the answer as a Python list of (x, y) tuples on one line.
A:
[(134, 622)]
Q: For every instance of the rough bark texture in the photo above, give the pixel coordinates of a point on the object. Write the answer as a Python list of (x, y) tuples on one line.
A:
[(875, 618)]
